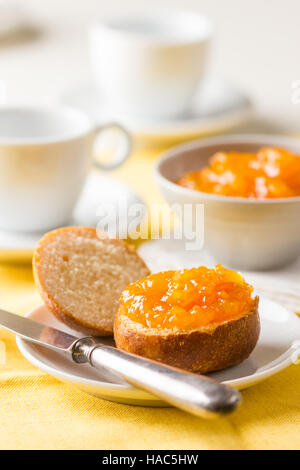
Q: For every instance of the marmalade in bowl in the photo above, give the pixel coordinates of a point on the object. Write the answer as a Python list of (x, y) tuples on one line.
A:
[(269, 173), (187, 299)]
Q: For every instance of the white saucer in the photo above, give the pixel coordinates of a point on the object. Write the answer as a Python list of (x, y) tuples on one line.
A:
[(217, 107), (275, 350), (98, 190)]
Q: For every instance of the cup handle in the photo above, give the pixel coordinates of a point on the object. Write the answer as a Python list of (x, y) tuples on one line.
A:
[(121, 153)]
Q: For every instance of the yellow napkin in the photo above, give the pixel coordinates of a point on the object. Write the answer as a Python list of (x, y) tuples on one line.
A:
[(39, 412)]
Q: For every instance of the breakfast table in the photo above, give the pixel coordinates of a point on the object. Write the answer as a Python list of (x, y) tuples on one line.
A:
[(38, 411)]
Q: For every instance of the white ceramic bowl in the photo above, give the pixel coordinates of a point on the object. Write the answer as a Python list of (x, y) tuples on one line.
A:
[(242, 233)]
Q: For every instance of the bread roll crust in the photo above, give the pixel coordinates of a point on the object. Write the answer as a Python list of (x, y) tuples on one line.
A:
[(203, 350)]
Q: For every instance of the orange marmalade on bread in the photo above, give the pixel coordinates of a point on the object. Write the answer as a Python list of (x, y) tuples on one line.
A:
[(187, 299), (269, 173)]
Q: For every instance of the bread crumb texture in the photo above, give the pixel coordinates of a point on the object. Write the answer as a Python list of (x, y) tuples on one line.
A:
[(84, 274)]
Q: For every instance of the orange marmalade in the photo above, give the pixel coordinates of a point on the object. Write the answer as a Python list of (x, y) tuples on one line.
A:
[(187, 299), (269, 173)]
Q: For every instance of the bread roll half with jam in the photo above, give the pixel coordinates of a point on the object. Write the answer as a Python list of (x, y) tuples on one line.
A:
[(200, 319)]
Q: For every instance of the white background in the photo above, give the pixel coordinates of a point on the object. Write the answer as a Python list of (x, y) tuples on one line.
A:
[(257, 47)]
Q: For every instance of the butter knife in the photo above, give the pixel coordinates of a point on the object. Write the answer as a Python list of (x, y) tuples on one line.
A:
[(194, 393)]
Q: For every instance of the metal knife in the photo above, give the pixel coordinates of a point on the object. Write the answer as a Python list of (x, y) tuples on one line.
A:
[(196, 394)]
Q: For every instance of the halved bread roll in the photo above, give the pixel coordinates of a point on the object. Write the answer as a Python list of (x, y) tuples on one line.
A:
[(80, 275), (163, 325)]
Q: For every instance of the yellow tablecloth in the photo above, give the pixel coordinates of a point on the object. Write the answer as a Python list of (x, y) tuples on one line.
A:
[(39, 412)]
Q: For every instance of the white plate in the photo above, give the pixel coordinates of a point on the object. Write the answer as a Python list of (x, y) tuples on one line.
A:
[(217, 107), (275, 350), (99, 190)]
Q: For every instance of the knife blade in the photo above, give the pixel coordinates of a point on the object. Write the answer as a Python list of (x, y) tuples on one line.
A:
[(196, 394), (37, 332)]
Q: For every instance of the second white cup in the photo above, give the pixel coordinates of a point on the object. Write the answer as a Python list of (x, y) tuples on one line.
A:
[(151, 64), (45, 155)]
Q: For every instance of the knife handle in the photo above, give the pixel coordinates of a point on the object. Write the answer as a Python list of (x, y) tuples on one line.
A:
[(196, 394)]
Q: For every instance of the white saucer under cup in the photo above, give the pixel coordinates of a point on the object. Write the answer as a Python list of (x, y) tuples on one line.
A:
[(217, 107), (100, 190)]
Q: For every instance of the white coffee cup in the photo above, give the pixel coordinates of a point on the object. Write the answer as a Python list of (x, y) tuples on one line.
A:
[(45, 155), (151, 64)]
